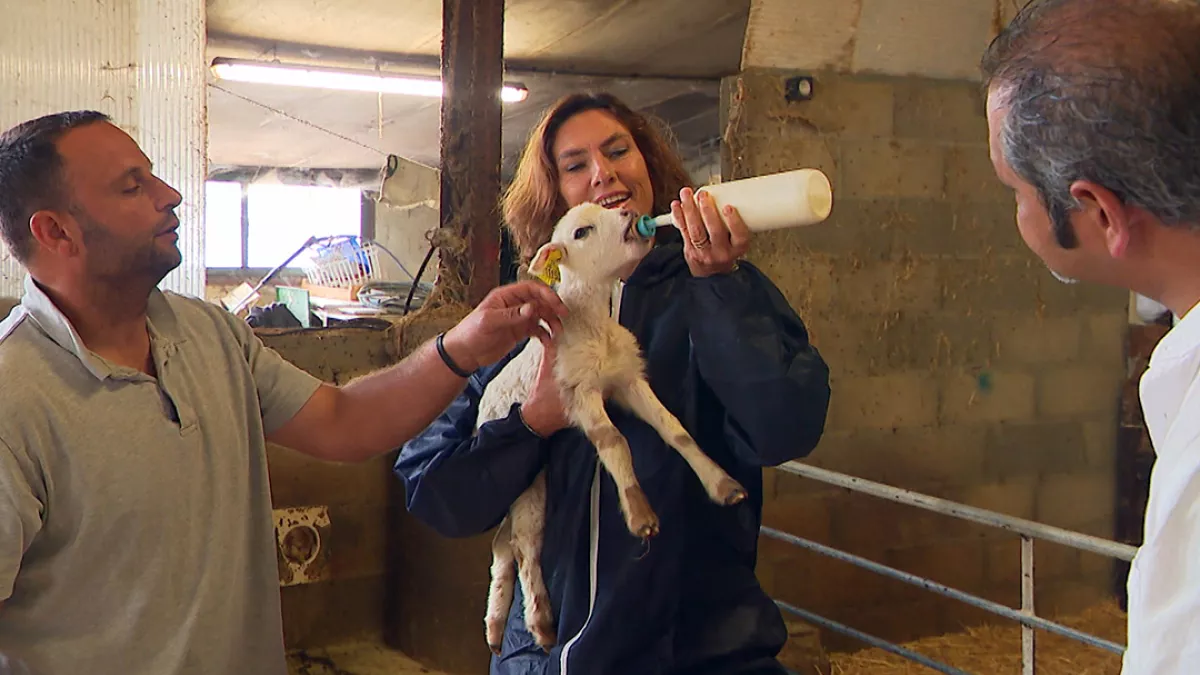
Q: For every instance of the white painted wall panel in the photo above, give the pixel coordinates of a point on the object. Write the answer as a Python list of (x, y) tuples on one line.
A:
[(140, 61)]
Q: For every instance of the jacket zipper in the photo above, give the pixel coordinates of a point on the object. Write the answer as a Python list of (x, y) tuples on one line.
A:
[(594, 517)]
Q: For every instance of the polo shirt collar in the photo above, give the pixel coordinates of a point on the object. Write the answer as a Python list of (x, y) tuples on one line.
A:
[(160, 319)]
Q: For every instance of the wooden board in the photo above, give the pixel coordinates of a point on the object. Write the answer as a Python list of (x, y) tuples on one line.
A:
[(348, 294)]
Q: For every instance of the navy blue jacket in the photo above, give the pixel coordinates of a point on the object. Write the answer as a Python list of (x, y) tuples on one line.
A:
[(729, 357)]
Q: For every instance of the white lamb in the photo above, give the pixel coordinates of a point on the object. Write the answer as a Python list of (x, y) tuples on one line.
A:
[(597, 359)]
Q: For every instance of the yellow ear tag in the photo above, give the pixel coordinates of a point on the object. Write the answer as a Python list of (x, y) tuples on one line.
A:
[(550, 272)]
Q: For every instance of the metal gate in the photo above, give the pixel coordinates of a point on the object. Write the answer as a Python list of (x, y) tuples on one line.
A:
[(1027, 530)]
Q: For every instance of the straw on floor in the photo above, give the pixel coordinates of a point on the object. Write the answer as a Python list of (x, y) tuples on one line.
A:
[(995, 649)]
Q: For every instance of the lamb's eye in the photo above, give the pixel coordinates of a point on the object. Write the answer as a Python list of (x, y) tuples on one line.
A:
[(582, 232)]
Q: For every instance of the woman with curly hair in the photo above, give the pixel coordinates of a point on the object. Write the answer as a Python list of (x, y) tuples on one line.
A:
[(724, 352)]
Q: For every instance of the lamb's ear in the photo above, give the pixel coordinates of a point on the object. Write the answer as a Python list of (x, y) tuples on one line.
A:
[(545, 264)]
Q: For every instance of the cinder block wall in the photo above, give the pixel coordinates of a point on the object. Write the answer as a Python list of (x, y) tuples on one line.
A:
[(437, 586), (351, 603), (393, 580), (961, 368)]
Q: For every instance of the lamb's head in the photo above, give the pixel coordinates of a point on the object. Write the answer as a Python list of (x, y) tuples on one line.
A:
[(591, 245)]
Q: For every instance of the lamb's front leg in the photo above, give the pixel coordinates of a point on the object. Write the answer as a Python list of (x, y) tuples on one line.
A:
[(587, 412), (528, 516), (639, 398)]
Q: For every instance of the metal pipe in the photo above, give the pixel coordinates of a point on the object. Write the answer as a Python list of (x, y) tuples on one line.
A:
[(987, 605), (1028, 650), (871, 640), (982, 516), (271, 275)]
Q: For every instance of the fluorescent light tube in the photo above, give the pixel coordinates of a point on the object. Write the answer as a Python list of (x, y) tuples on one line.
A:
[(323, 78)]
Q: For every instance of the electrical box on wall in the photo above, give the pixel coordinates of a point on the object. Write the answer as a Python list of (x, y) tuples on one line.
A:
[(302, 544)]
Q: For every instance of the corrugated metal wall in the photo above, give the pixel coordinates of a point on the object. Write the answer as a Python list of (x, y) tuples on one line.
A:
[(140, 61)]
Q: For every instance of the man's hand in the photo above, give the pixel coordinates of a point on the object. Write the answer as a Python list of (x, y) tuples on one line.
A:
[(506, 316), (378, 413)]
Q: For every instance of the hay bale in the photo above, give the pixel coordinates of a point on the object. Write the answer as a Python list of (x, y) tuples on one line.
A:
[(995, 649)]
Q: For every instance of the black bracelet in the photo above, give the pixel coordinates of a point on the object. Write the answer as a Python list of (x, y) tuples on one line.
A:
[(441, 347), (521, 416)]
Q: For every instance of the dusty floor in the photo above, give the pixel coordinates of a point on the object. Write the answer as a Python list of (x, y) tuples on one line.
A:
[(356, 658), (985, 650)]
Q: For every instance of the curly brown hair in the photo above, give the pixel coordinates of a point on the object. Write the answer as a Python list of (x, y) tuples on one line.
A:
[(533, 204)]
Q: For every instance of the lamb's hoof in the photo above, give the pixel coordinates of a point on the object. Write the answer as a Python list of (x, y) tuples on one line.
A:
[(641, 519), (495, 636), (729, 492), (543, 635)]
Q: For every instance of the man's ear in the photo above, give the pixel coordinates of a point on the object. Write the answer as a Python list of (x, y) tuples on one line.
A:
[(545, 263), (50, 232), (1101, 208)]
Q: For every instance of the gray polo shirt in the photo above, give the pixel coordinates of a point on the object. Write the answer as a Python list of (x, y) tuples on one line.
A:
[(135, 513)]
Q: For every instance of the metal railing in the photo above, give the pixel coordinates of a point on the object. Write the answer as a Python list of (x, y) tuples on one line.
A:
[(1028, 530)]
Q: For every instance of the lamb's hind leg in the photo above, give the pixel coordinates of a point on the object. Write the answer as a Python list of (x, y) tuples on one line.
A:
[(500, 592), (528, 517), (640, 398), (588, 414)]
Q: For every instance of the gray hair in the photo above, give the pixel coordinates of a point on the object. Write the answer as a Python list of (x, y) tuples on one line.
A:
[(31, 177), (1122, 111)]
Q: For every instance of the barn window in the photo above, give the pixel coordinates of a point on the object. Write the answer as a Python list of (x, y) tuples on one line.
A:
[(258, 225)]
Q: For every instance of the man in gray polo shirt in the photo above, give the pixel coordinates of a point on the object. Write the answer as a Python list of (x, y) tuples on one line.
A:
[(135, 524)]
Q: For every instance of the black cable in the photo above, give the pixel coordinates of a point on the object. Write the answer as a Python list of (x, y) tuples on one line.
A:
[(420, 272)]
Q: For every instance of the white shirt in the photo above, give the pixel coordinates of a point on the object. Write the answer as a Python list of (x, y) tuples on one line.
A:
[(1164, 582)]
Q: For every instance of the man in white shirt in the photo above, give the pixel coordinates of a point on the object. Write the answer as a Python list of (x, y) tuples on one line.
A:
[(135, 532), (1094, 118)]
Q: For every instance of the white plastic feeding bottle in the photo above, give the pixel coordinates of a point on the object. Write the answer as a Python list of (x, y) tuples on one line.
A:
[(771, 202)]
